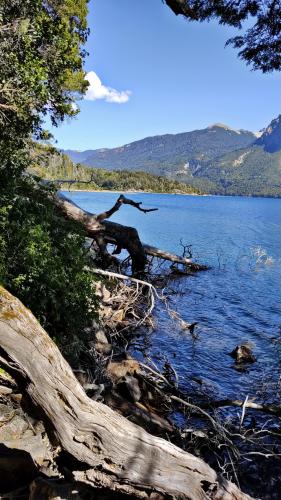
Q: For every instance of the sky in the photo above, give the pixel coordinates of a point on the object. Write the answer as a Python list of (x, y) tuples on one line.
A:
[(152, 73)]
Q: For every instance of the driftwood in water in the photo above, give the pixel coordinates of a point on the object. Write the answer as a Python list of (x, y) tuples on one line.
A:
[(104, 231), (114, 453), (162, 254), (251, 405)]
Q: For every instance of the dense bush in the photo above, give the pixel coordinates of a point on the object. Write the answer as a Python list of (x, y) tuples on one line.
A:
[(43, 259)]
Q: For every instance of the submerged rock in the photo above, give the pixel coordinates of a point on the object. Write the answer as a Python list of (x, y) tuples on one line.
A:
[(243, 354)]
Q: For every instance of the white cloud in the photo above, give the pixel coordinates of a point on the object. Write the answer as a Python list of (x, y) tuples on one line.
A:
[(97, 90)]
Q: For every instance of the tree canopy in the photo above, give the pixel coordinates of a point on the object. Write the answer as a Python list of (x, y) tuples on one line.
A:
[(41, 58), (260, 44)]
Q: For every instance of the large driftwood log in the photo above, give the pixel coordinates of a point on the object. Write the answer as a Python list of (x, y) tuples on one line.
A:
[(116, 454), (105, 231)]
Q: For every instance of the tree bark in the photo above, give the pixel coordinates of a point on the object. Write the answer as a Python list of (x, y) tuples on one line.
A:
[(116, 454)]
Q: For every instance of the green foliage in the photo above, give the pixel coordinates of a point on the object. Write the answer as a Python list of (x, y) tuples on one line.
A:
[(250, 172), (125, 180), (40, 61), (43, 260)]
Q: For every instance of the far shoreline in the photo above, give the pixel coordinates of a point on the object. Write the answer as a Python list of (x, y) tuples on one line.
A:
[(129, 192), (120, 191)]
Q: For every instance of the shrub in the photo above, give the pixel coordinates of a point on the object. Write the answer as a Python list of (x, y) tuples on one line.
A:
[(43, 260)]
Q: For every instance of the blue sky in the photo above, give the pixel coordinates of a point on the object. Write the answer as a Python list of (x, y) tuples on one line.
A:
[(170, 76)]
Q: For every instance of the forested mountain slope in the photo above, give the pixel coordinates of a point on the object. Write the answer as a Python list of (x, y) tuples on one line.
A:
[(217, 160), (168, 154), (54, 166)]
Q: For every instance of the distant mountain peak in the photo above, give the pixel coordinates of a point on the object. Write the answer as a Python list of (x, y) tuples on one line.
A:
[(225, 127), (271, 136)]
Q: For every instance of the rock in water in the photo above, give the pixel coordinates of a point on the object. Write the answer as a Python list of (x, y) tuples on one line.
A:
[(243, 354)]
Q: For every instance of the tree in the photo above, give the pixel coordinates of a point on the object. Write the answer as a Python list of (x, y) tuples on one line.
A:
[(42, 258), (41, 61), (41, 72), (259, 45)]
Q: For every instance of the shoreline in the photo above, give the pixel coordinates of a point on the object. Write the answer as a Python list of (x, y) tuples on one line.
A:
[(181, 194), (129, 191)]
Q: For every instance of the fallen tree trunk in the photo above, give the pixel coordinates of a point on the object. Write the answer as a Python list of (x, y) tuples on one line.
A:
[(116, 454), (162, 254), (104, 231)]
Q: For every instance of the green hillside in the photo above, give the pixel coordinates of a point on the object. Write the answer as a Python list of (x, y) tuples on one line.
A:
[(54, 166), (216, 160), (250, 172), (168, 154)]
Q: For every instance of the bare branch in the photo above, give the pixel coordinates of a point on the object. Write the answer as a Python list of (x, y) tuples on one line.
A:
[(122, 200)]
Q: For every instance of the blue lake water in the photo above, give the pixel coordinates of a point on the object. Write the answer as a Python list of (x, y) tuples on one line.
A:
[(238, 300)]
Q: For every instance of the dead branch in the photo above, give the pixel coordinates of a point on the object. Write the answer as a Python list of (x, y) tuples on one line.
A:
[(216, 425), (123, 201), (150, 296), (110, 274), (156, 373), (267, 408), (105, 231), (157, 252)]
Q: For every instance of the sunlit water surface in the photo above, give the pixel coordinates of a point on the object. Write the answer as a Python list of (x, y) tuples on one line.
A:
[(237, 301)]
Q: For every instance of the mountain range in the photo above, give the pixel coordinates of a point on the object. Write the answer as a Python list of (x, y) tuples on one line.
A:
[(217, 159)]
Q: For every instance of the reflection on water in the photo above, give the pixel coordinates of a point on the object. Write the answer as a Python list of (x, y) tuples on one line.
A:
[(238, 300)]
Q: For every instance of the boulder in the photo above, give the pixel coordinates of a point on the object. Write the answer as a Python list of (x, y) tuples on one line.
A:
[(119, 369)]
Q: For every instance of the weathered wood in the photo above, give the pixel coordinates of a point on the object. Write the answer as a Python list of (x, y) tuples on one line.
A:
[(162, 254), (252, 405), (105, 231), (122, 200), (115, 453)]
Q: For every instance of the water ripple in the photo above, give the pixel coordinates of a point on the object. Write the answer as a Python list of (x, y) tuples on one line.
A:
[(238, 300)]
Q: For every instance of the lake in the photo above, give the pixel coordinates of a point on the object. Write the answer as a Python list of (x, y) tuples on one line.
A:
[(238, 300)]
